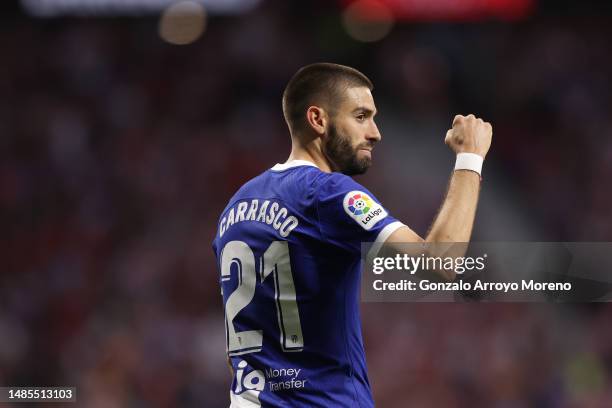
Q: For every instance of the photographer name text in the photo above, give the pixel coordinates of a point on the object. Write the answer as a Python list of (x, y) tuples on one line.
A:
[(426, 285)]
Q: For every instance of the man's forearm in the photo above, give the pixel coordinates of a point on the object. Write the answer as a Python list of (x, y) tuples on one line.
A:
[(455, 219), (470, 139), (451, 228)]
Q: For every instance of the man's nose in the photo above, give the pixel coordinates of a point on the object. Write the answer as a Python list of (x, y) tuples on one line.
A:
[(373, 133)]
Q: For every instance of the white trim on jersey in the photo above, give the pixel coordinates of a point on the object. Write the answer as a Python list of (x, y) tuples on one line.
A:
[(248, 399), (381, 238), (292, 163)]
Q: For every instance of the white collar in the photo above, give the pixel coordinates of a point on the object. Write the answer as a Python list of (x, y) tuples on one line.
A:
[(291, 164)]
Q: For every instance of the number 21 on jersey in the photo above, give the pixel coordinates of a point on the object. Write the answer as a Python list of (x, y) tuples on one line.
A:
[(275, 262)]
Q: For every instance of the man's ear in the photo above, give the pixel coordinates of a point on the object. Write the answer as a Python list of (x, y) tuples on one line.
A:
[(317, 118)]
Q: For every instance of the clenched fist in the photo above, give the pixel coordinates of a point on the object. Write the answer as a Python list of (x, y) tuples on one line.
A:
[(469, 135)]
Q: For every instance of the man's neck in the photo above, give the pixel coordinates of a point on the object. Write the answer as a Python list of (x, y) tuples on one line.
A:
[(312, 154)]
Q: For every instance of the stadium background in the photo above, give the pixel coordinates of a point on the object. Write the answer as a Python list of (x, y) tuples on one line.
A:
[(118, 150)]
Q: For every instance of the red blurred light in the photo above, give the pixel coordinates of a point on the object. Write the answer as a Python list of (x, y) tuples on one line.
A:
[(447, 10)]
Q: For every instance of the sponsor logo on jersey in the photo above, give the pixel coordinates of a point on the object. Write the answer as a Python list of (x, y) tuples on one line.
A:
[(249, 384), (363, 209)]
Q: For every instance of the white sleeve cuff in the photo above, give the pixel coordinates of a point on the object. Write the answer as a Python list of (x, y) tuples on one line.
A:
[(382, 237)]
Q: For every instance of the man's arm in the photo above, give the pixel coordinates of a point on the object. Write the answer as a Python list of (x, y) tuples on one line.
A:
[(455, 219)]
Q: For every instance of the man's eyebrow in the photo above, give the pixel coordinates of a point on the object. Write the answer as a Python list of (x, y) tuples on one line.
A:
[(365, 110)]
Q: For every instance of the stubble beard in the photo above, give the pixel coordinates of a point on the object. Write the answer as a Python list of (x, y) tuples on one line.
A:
[(343, 155)]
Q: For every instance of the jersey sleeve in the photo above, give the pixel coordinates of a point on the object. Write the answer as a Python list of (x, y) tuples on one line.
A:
[(349, 214)]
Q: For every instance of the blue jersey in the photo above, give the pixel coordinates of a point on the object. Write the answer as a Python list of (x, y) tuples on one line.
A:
[(288, 247)]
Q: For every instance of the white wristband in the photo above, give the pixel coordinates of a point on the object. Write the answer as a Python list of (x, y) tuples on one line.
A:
[(469, 161)]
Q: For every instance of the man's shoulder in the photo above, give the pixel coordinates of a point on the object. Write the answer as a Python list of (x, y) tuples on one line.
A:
[(289, 185), (335, 179), (332, 186), (301, 185)]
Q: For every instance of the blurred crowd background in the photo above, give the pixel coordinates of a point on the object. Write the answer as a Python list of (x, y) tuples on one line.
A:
[(118, 151)]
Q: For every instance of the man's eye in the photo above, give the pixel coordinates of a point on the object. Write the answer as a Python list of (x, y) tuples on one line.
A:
[(361, 117)]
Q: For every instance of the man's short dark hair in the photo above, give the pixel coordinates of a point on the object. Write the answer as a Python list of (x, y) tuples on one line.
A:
[(320, 84)]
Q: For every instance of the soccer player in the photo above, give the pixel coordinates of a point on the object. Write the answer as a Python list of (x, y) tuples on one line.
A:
[(288, 245)]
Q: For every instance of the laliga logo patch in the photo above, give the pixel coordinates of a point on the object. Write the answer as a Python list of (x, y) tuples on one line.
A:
[(359, 204), (360, 207)]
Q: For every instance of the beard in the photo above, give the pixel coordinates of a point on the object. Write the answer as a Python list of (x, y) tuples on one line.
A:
[(339, 151)]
